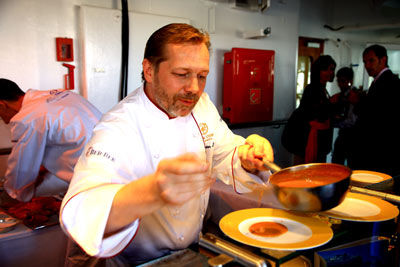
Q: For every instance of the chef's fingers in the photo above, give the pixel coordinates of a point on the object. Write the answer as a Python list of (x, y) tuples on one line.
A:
[(262, 147), (246, 156), (179, 179), (187, 163), (181, 188), (243, 152), (193, 184), (268, 151)]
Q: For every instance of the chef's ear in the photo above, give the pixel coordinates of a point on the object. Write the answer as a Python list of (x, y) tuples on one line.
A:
[(148, 70)]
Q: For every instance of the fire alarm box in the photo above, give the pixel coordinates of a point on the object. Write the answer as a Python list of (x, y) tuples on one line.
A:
[(248, 90), (64, 49)]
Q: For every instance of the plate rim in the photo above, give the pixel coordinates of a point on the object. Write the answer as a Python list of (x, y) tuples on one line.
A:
[(321, 232), (387, 209)]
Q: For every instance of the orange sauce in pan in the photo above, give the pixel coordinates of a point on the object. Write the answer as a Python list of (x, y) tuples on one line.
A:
[(310, 177), (301, 183), (268, 229)]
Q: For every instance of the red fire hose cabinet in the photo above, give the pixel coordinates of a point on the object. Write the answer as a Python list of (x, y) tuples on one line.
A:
[(248, 92)]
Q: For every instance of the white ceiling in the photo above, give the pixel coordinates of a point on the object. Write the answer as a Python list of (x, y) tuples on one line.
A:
[(381, 17)]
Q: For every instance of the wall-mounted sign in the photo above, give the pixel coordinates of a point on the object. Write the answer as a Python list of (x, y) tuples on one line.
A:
[(65, 49)]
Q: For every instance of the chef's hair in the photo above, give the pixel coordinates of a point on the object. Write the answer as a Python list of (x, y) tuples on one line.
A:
[(322, 63), (174, 33), (380, 51), (9, 90)]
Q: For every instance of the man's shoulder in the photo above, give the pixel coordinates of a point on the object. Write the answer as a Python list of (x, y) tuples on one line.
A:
[(130, 109), (133, 101), (389, 76), (204, 103), (388, 80)]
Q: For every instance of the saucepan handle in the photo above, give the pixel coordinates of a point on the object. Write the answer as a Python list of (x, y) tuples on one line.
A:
[(271, 166)]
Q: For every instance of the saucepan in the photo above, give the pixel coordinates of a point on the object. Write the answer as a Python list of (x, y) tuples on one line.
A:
[(310, 187)]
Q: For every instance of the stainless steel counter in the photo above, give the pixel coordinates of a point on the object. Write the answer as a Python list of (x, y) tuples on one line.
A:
[(23, 246)]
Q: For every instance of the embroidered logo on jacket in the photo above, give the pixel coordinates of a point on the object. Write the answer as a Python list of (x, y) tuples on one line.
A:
[(208, 137), (203, 128), (92, 152)]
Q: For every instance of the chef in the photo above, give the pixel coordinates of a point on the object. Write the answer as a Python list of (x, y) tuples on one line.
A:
[(49, 130), (141, 187)]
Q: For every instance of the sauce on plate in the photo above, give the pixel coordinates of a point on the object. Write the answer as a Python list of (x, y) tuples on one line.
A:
[(268, 229)]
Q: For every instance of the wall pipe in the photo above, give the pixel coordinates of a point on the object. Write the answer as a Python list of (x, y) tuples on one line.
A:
[(125, 50)]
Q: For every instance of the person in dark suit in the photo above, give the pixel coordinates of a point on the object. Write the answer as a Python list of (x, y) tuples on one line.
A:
[(378, 135)]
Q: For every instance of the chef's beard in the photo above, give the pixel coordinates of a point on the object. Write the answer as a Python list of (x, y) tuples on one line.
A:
[(171, 104)]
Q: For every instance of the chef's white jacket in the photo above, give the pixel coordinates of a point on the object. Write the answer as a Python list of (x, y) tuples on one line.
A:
[(127, 144), (51, 129)]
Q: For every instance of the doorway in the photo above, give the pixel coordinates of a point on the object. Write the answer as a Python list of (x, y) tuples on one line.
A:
[(309, 50)]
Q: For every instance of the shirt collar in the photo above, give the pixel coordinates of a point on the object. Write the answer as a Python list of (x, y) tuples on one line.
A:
[(155, 104), (380, 73)]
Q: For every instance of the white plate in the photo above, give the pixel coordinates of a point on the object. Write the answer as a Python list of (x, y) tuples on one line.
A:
[(368, 177), (303, 232), (363, 208)]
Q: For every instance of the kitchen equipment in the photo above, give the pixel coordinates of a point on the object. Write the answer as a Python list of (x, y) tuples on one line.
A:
[(234, 252), (371, 251), (386, 196), (185, 257), (303, 232), (310, 187)]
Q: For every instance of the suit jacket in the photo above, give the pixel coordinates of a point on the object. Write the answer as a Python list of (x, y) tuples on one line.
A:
[(378, 126)]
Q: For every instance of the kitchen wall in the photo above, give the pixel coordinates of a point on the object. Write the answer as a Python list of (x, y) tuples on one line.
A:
[(28, 30)]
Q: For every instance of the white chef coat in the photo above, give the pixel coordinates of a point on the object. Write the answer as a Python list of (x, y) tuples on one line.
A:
[(127, 144), (51, 129)]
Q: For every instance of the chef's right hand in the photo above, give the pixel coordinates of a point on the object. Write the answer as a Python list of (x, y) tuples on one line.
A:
[(182, 178)]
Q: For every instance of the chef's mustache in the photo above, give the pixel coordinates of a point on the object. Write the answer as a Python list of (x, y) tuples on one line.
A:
[(188, 96)]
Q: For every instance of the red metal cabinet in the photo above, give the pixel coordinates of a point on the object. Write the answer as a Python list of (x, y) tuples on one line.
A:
[(248, 85)]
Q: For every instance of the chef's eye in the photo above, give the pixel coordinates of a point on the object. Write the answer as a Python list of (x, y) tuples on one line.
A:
[(182, 75), (202, 77)]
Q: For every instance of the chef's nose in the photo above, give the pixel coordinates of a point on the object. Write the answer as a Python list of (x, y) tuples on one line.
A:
[(193, 85)]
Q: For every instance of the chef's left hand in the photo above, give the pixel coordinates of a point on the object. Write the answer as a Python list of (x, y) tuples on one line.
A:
[(252, 153)]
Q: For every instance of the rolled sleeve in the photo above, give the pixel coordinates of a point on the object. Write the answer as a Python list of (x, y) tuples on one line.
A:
[(84, 216)]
